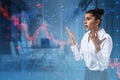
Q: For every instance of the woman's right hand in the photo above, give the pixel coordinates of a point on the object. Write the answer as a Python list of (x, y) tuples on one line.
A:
[(71, 35)]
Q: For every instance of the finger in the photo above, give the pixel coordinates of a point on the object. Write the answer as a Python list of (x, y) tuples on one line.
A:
[(90, 34), (68, 31), (93, 34), (72, 35), (96, 34)]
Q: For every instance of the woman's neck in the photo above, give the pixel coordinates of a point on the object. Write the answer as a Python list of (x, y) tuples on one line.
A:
[(96, 29)]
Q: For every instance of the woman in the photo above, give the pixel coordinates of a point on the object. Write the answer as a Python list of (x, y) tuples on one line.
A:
[(96, 46)]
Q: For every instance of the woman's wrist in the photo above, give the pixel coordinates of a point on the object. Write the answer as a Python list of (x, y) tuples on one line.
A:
[(73, 43)]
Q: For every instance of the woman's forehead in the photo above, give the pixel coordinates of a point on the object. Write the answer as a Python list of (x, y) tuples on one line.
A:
[(88, 15)]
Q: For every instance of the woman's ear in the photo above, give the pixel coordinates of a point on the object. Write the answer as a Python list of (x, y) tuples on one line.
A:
[(97, 22)]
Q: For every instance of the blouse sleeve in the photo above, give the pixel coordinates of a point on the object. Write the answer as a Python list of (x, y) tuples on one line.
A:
[(77, 53)]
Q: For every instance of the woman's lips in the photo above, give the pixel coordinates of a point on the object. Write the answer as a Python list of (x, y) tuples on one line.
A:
[(86, 26)]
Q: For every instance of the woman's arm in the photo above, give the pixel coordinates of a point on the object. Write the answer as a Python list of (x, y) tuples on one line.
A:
[(71, 35), (104, 54), (74, 47)]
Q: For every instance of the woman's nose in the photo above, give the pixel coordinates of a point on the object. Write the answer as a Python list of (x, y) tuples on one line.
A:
[(85, 22)]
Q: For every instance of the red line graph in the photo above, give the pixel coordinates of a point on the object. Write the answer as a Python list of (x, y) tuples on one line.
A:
[(115, 64), (48, 35)]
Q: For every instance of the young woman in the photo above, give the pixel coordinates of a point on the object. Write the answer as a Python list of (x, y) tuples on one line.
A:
[(96, 46)]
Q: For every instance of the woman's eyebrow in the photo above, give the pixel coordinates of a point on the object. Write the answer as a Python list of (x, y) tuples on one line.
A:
[(88, 17)]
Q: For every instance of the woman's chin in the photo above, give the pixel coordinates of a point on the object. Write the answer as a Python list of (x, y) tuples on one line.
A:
[(86, 28)]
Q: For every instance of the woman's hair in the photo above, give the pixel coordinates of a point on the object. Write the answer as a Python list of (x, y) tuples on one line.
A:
[(97, 13)]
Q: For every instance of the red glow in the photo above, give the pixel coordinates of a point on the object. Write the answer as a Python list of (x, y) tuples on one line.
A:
[(4, 12), (16, 20), (39, 5), (17, 47)]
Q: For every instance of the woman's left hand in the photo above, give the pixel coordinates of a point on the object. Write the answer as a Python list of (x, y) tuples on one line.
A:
[(96, 41)]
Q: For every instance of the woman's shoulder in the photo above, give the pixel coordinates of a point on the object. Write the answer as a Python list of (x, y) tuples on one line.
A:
[(107, 36)]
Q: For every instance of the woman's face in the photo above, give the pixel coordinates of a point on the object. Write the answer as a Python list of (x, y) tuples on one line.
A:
[(90, 22)]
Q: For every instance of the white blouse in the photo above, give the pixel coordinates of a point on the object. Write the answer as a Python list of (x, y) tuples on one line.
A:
[(94, 61)]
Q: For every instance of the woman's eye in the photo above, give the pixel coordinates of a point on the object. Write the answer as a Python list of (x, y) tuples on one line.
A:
[(88, 18)]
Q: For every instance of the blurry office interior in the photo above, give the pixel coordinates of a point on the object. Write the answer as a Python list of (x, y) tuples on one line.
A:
[(34, 44)]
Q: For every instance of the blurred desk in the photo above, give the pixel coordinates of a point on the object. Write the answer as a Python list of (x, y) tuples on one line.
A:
[(45, 57)]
